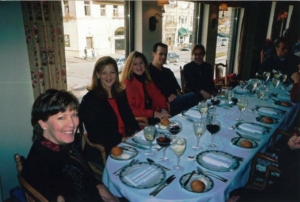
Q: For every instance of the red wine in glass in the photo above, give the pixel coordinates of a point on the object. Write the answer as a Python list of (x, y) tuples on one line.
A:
[(163, 141), (213, 128), (174, 129)]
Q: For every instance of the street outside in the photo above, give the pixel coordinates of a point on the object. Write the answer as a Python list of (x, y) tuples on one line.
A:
[(79, 71)]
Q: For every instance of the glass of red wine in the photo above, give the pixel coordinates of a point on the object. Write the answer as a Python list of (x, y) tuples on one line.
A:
[(164, 140), (175, 127), (213, 126)]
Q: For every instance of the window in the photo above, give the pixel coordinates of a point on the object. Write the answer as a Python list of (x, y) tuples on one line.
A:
[(89, 42), (67, 40), (87, 11), (102, 10), (66, 7), (115, 11)]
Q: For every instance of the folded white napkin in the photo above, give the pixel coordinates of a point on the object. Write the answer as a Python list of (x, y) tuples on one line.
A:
[(141, 175), (218, 160), (284, 97), (267, 110), (251, 128)]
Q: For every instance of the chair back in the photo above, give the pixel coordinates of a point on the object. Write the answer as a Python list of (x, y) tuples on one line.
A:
[(221, 74), (31, 194), (182, 80)]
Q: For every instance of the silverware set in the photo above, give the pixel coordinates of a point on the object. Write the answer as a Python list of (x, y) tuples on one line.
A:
[(162, 186)]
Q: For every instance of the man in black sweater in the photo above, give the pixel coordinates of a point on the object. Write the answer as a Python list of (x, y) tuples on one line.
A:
[(166, 82)]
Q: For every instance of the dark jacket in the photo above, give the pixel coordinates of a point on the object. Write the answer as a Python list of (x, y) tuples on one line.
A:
[(101, 122), (199, 77), (63, 172)]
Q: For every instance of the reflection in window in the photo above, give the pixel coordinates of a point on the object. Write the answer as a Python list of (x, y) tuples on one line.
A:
[(102, 10), (67, 40), (87, 11), (115, 11)]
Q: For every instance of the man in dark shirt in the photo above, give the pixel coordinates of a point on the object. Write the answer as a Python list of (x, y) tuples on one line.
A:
[(166, 82), (283, 60)]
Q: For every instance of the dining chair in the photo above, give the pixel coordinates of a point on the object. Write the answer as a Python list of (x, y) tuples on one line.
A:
[(31, 194), (182, 80), (96, 168), (221, 80), (259, 180)]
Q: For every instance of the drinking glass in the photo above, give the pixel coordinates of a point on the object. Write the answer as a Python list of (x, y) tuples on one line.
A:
[(283, 79), (149, 134), (178, 146), (277, 74), (213, 127), (275, 82), (164, 140), (254, 83), (174, 127), (199, 129), (260, 94), (202, 107), (266, 75), (242, 105), (228, 95)]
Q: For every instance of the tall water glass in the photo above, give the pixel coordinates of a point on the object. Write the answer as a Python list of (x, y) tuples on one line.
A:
[(242, 105), (199, 129), (149, 134), (229, 95), (202, 108), (260, 94), (178, 146)]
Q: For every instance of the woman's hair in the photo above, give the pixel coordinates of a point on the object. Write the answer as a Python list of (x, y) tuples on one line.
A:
[(198, 46), (127, 72), (96, 83), (48, 104)]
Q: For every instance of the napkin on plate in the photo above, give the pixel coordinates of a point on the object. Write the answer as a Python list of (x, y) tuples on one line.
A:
[(283, 97), (218, 160), (141, 175), (267, 110), (251, 128)]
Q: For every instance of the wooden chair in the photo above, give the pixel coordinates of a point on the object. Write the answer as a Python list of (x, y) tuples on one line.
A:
[(260, 185), (97, 169), (221, 80), (183, 86), (31, 194)]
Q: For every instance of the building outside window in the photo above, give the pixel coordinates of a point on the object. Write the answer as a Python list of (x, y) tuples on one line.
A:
[(89, 42), (115, 11), (87, 10), (102, 10), (66, 6), (67, 40)]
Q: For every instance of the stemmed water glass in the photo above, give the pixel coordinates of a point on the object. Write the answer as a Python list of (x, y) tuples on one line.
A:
[(229, 94), (149, 134), (242, 105), (260, 94), (266, 75), (199, 129), (283, 79), (275, 82), (213, 126), (178, 146), (164, 140), (202, 107), (254, 83)]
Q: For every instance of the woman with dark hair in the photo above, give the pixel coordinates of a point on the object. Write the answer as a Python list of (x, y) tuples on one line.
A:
[(54, 165), (198, 74), (144, 98), (105, 111)]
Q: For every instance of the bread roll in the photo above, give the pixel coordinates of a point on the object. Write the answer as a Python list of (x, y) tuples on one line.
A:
[(164, 122), (285, 103), (267, 119), (246, 144), (197, 186), (117, 151)]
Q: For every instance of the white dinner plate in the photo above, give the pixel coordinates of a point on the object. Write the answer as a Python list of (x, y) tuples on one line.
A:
[(271, 111), (242, 131), (221, 155), (152, 182), (205, 179), (238, 144), (128, 153)]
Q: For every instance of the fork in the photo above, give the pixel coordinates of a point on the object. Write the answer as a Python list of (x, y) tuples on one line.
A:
[(199, 170), (133, 161)]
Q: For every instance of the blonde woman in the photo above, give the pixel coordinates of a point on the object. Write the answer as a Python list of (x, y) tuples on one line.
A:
[(144, 98)]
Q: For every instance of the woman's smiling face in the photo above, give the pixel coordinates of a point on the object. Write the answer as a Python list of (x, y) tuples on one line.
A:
[(138, 66)]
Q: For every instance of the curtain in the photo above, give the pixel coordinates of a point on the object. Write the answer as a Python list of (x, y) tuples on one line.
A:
[(43, 24)]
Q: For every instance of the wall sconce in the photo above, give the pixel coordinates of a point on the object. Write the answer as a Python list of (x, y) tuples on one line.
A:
[(223, 7), (153, 21)]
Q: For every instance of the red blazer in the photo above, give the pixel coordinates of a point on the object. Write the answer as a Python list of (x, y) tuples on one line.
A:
[(136, 98)]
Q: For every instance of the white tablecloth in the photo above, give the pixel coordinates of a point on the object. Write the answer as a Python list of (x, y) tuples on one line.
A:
[(220, 191)]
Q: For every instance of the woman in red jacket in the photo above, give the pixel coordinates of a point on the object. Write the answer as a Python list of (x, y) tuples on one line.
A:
[(144, 98)]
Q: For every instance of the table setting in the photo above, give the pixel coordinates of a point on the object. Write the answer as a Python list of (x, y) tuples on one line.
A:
[(207, 157)]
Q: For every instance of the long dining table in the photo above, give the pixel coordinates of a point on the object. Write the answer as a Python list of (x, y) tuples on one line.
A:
[(236, 177)]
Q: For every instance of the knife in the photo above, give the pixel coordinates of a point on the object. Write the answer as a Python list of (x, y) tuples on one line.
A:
[(186, 182), (151, 161), (135, 145), (161, 187)]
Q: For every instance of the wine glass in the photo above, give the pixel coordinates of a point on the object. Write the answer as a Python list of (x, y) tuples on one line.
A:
[(254, 83), (266, 75), (174, 127), (229, 94), (199, 129), (178, 146), (283, 79), (213, 127), (164, 140), (242, 105), (260, 94), (149, 134), (202, 107), (275, 82)]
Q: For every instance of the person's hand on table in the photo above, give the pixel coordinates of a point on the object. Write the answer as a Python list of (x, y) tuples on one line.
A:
[(162, 114), (205, 94), (106, 195), (296, 77), (294, 142), (171, 97)]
